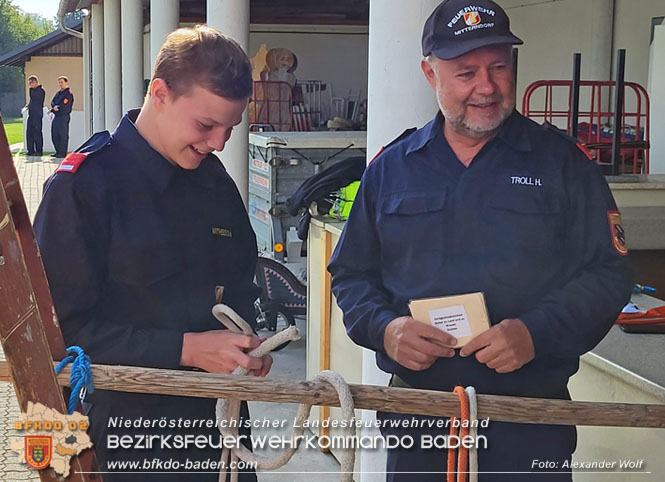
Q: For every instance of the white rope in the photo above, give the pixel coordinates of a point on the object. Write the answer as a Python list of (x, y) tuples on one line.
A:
[(473, 432), (229, 409)]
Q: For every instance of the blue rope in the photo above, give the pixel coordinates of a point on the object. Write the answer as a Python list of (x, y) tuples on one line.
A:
[(80, 377)]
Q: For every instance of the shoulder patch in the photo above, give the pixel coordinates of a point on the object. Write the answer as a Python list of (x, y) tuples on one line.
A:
[(617, 232), (73, 161), (403, 135)]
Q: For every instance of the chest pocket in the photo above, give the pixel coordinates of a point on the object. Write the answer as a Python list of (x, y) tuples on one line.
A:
[(525, 235), (412, 231), (145, 265)]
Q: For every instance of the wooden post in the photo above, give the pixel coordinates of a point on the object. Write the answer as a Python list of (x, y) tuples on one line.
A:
[(325, 300), (29, 329)]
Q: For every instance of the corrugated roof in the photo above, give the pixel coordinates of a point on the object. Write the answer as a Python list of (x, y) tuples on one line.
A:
[(54, 44)]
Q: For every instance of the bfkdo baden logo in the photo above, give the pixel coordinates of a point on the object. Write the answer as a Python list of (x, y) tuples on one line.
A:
[(49, 439), (38, 451)]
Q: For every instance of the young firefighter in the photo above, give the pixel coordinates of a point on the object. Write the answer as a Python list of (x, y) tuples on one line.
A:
[(33, 132), (136, 229), (61, 106)]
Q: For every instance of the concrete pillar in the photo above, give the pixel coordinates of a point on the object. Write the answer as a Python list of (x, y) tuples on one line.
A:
[(399, 97), (112, 64), (98, 120), (132, 54), (602, 28), (87, 98), (656, 89), (231, 17), (164, 19), (600, 64)]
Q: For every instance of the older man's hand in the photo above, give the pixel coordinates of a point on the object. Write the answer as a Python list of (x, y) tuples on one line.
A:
[(416, 345), (505, 347)]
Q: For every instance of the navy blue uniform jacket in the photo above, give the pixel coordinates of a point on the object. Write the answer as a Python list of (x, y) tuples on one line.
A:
[(36, 104), (526, 223), (64, 99), (133, 248)]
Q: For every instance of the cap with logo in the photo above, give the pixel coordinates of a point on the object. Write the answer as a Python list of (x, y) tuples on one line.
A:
[(456, 27)]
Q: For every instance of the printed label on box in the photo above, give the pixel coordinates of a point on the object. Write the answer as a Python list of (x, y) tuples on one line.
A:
[(452, 319)]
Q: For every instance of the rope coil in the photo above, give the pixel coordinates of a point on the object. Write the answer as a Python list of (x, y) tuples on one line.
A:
[(467, 459), (229, 409)]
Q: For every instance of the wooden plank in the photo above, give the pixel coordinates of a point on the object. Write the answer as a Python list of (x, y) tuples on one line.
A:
[(325, 300), (27, 317), (370, 397)]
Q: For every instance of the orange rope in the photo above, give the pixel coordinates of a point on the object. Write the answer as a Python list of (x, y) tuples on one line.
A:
[(451, 453), (463, 457)]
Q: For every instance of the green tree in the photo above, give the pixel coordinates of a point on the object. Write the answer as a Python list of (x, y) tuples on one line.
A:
[(16, 29)]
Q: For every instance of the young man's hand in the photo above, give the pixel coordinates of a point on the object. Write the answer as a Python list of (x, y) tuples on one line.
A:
[(416, 345), (222, 351), (505, 347)]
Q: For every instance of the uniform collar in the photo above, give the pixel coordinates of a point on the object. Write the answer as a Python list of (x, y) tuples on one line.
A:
[(513, 132), (205, 174), (157, 169), (424, 136)]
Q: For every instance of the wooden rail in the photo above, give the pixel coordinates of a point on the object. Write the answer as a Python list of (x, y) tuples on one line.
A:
[(368, 397)]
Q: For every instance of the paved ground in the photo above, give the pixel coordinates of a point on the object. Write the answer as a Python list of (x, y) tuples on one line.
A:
[(289, 363)]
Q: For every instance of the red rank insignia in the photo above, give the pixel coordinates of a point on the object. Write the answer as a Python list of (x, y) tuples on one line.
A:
[(38, 451), (586, 151), (72, 162)]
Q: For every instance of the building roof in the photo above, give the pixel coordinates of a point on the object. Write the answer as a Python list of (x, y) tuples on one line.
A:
[(60, 44), (309, 12), (54, 44)]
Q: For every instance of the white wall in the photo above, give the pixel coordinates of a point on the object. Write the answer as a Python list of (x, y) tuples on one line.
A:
[(76, 131), (632, 31), (554, 30), (333, 54)]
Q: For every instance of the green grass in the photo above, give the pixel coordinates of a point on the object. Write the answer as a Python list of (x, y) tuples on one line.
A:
[(14, 129)]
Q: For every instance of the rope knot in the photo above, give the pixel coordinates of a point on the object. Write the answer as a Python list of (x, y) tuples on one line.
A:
[(80, 378)]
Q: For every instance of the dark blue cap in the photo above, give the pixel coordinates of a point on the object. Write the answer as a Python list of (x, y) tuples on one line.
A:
[(456, 27)]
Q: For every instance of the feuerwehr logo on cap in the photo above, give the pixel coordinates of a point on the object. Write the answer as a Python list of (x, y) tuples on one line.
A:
[(471, 15), (472, 18)]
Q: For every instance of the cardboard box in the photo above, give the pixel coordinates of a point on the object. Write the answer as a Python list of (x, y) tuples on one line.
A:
[(463, 316)]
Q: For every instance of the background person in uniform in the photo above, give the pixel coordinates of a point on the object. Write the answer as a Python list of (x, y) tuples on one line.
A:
[(137, 228), (61, 106), (33, 133), (482, 199)]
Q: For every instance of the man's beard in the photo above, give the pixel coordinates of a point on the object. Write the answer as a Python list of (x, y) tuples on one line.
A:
[(478, 129)]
